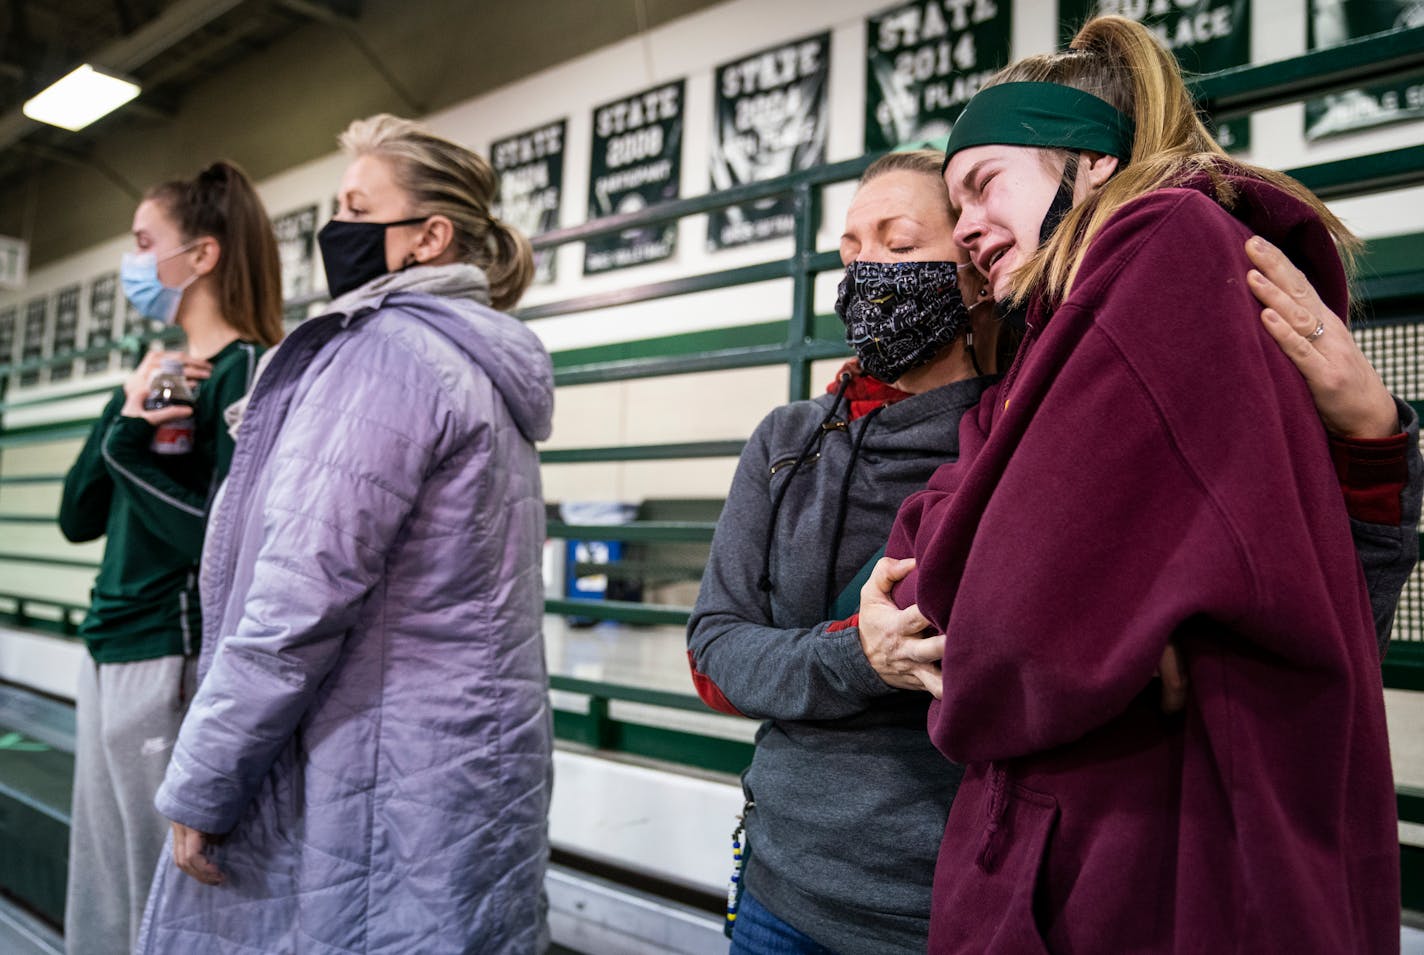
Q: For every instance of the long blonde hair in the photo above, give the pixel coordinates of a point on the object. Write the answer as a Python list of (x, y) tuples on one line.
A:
[(444, 178), (1120, 61)]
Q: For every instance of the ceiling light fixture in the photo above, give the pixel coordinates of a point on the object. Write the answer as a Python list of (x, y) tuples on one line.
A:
[(80, 98)]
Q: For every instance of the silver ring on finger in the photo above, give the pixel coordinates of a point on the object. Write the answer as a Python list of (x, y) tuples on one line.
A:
[(1319, 330)]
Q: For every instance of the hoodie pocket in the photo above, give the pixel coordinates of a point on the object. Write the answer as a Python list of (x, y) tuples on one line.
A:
[(990, 871)]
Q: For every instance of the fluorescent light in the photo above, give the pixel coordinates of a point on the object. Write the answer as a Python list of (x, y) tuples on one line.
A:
[(80, 98)]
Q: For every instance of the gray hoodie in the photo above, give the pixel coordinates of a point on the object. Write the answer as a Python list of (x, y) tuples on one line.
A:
[(851, 797)]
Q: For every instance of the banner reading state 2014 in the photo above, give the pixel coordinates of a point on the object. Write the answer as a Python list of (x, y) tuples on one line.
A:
[(1335, 21), (1205, 36), (923, 62), (772, 114), (636, 162), (531, 180)]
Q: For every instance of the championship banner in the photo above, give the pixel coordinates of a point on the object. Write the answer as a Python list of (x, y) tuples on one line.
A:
[(1333, 22), (296, 251), (636, 163), (32, 341), (135, 325), (531, 182), (1205, 35), (66, 329), (772, 113), (102, 293), (9, 318), (923, 62)]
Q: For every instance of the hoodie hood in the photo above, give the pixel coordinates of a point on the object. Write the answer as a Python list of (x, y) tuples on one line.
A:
[(504, 348), (454, 299), (864, 393), (1286, 222), (459, 281)]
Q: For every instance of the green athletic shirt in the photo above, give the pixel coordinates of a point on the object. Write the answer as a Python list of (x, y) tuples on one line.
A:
[(144, 603)]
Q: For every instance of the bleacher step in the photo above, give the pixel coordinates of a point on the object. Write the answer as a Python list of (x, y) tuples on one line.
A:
[(23, 934)]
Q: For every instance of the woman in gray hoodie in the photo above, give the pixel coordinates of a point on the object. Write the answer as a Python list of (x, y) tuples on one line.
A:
[(366, 764)]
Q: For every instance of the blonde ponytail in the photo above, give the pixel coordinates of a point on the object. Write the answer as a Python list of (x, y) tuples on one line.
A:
[(511, 268)]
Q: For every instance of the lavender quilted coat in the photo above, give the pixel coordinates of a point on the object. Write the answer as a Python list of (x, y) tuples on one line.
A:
[(372, 726)]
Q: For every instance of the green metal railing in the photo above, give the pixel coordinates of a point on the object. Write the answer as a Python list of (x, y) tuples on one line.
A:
[(1372, 59), (1393, 284), (599, 729)]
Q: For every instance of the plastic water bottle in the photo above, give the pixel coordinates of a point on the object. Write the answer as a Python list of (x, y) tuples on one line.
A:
[(167, 388)]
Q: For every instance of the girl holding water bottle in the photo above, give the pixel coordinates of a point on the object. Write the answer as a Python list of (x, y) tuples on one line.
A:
[(204, 259)]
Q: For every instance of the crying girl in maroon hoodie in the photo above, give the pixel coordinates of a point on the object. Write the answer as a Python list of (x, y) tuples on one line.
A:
[(1148, 472)]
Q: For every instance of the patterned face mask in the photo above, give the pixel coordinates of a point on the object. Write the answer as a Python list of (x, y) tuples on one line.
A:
[(899, 315)]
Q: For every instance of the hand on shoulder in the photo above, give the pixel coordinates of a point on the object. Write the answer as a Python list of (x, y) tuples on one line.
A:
[(1348, 393)]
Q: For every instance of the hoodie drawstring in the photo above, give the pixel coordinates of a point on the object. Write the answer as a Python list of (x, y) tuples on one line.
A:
[(841, 504), (998, 808), (764, 582), (973, 357)]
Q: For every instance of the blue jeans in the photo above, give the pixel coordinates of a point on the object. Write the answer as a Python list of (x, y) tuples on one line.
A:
[(758, 932)]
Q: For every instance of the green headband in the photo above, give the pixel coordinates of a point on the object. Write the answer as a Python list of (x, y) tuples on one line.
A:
[(1047, 115)]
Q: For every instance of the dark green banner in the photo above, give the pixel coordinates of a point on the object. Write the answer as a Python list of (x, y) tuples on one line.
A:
[(1205, 35), (923, 61), (66, 329), (636, 163), (102, 301), (135, 325), (772, 114), (32, 341), (1333, 22), (531, 182), (9, 318)]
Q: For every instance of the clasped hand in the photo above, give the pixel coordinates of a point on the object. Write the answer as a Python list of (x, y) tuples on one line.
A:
[(899, 644), (189, 854), (136, 386), (907, 654)]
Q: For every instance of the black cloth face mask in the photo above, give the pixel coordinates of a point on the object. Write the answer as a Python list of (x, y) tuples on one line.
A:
[(353, 253), (900, 315)]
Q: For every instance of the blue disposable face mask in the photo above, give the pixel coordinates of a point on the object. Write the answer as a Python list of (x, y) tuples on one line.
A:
[(146, 291)]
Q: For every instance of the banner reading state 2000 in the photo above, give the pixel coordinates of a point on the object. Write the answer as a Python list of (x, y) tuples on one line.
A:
[(1205, 36), (531, 179), (923, 62), (772, 115), (636, 162)]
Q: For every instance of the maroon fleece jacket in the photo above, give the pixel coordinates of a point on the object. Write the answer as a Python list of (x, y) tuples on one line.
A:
[(1153, 469)]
